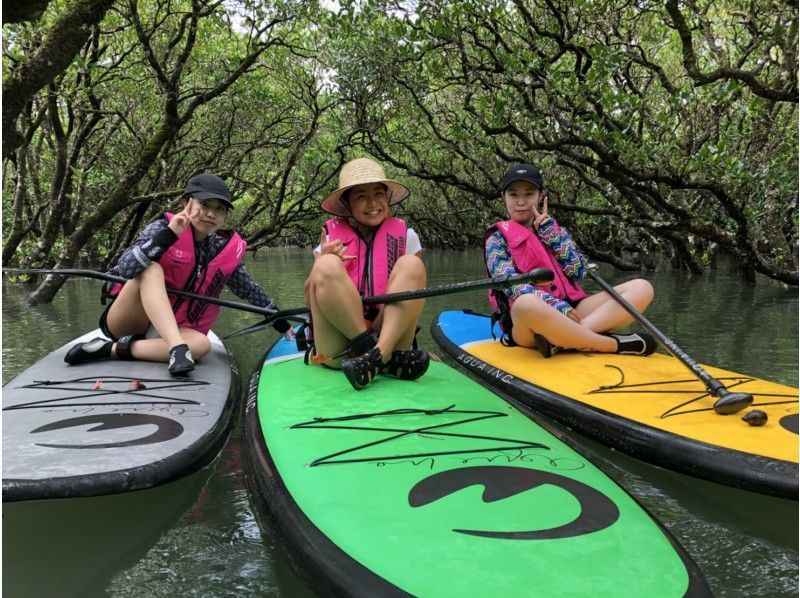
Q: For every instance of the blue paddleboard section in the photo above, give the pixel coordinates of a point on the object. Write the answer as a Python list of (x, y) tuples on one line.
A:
[(461, 330)]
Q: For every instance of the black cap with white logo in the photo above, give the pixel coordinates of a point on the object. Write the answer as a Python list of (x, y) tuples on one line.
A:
[(522, 172), (208, 186)]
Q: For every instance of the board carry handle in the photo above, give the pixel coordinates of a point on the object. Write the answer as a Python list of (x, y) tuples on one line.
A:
[(727, 402)]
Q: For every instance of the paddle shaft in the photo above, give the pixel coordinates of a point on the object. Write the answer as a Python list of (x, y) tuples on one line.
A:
[(537, 276), (112, 278), (714, 386)]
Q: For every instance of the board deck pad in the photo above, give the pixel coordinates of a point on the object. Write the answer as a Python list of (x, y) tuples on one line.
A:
[(651, 407), (439, 487), (81, 430)]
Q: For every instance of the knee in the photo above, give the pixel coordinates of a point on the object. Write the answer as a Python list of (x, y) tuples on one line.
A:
[(200, 345), (644, 292), (153, 270), (530, 305), (413, 266), (326, 267)]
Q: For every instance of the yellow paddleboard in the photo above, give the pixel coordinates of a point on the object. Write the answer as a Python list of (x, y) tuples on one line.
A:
[(652, 407)]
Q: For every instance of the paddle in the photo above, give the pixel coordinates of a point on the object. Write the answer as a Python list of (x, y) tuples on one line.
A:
[(177, 292), (727, 402), (536, 276)]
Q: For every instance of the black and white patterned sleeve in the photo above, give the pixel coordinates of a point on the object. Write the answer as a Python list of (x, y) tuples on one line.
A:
[(148, 247)]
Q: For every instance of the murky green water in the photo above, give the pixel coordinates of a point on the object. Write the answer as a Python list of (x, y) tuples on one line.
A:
[(199, 536)]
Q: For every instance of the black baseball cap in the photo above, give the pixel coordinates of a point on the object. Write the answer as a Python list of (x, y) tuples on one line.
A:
[(522, 172), (208, 186)]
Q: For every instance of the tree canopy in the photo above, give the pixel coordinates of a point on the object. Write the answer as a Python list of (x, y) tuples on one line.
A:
[(664, 129)]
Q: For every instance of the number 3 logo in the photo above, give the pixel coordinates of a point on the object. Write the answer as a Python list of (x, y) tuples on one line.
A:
[(167, 428), (597, 510)]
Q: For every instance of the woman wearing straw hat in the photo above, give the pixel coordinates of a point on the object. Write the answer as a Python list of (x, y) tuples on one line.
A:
[(364, 251)]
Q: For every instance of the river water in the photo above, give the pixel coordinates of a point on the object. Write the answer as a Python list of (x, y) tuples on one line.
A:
[(199, 536)]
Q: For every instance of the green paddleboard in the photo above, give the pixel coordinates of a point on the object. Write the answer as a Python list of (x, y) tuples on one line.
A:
[(438, 487)]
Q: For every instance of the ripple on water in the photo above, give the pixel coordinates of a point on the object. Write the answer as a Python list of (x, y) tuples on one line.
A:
[(199, 560)]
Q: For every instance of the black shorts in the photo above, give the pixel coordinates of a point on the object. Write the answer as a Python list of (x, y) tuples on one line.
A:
[(106, 332), (104, 322)]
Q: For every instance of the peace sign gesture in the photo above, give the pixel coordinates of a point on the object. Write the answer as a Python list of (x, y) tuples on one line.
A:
[(181, 220), (539, 217)]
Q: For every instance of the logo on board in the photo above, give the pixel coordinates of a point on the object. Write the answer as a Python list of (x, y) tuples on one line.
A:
[(499, 482)]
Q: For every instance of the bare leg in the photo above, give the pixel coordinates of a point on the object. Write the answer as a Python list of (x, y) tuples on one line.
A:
[(143, 301), (398, 321), (335, 307), (598, 313), (531, 315), (154, 299), (155, 349), (601, 313)]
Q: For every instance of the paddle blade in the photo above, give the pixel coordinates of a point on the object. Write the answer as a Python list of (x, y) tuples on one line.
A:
[(249, 329), (290, 315), (732, 402)]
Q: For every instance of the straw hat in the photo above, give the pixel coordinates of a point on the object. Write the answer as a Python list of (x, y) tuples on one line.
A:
[(361, 171)]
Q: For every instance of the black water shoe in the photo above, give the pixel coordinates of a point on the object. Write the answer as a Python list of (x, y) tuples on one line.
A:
[(180, 360), (407, 365), (93, 350), (545, 347), (361, 370), (637, 343)]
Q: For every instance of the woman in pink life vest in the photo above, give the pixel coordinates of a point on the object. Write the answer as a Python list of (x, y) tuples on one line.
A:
[(364, 252), (559, 314), (185, 251)]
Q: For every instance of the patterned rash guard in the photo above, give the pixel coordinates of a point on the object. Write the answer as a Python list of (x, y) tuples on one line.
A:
[(558, 242), (157, 237)]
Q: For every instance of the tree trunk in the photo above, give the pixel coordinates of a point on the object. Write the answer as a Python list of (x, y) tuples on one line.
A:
[(106, 210), (19, 11), (52, 57), (56, 200), (18, 230)]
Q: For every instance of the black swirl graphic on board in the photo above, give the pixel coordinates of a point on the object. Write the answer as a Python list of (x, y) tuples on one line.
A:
[(693, 388), (95, 391), (167, 429), (499, 482), (789, 422), (453, 418)]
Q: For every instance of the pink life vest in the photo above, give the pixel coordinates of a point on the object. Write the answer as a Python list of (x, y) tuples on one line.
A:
[(528, 252), (370, 270), (179, 262)]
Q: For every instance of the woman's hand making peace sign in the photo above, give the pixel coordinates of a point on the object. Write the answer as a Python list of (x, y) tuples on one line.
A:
[(180, 221), (540, 217)]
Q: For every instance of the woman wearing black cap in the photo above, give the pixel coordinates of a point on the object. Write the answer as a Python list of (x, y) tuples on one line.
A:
[(183, 251), (559, 314)]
